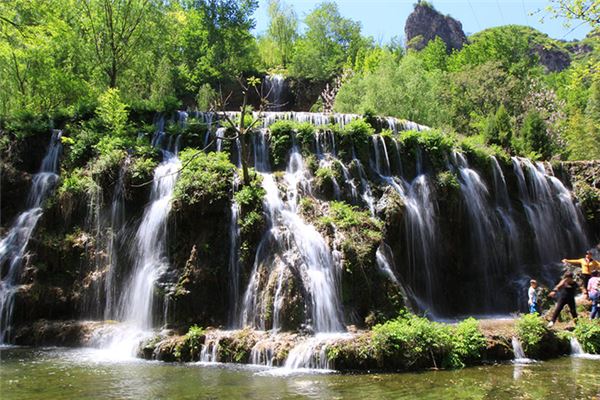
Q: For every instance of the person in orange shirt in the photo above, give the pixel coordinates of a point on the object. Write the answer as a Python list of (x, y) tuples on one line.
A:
[(588, 264)]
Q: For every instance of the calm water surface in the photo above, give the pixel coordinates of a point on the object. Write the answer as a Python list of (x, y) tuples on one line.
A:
[(84, 374)]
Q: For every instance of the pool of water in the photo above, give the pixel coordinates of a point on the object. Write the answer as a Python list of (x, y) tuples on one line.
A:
[(85, 374)]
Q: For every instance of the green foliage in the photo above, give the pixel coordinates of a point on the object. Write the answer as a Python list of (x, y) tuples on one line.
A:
[(191, 345), (531, 329), (498, 128), (76, 184), (588, 198), (447, 181), (587, 333), (357, 134), (329, 41), (205, 179), (415, 342), (281, 134), (282, 33), (305, 133), (534, 136), (469, 342), (112, 112)]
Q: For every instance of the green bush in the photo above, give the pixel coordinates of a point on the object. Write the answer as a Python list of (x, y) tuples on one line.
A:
[(190, 347), (588, 335), (358, 134), (281, 134), (205, 178), (469, 343), (531, 330), (305, 134), (416, 342), (412, 341)]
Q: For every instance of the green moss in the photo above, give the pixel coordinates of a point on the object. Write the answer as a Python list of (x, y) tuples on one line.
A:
[(205, 179), (357, 135)]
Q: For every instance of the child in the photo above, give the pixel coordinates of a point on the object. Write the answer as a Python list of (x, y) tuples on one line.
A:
[(533, 297)]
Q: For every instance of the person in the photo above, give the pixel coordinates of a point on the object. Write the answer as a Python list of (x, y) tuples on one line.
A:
[(594, 293), (566, 291), (588, 264), (533, 297)]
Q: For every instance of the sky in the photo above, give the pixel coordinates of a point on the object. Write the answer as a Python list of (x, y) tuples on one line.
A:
[(384, 19)]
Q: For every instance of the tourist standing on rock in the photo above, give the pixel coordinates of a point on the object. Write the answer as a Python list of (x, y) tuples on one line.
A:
[(533, 297), (594, 293), (565, 291), (588, 264)]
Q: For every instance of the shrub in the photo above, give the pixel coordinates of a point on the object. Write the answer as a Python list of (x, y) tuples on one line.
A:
[(112, 111), (469, 343), (305, 134), (588, 334), (190, 347), (417, 342), (205, 178), (531, 329), (281, 134), (412, 341), (357, 134)]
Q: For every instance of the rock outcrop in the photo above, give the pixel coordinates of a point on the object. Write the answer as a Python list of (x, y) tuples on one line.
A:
[(425, 24)]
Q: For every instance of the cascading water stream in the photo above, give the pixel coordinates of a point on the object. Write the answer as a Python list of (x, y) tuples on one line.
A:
[(14, 244), (485, 245), (549, 205), (420, 223), (274, 85), (314, 260), (117, 223)]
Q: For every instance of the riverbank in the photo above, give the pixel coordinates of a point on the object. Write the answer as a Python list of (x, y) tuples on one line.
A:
[(407, 343)]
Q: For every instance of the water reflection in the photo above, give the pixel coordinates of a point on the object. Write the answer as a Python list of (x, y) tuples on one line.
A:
[(77, 374)]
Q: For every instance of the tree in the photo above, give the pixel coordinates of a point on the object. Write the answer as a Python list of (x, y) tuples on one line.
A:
[(243, 127), (498, 128), (283, 30), (215, 42), (584, 10), (115, 29), (534, 135), (330, 41)]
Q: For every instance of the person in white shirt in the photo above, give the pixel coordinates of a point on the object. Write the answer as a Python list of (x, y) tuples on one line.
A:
[(533, 297)]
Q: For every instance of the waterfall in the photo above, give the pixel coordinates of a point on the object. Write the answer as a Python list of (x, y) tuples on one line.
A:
[(549, 205), (234, 261), (117, 222), (420, 227), (314, 261), (14, 244), (520, 356), (274, 85), (577, 350), (483, 236), (149, 251)]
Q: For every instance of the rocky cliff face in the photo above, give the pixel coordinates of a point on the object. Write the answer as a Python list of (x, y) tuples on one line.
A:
[(425, 24)]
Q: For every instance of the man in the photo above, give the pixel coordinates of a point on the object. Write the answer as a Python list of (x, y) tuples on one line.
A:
[(587, 264)]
